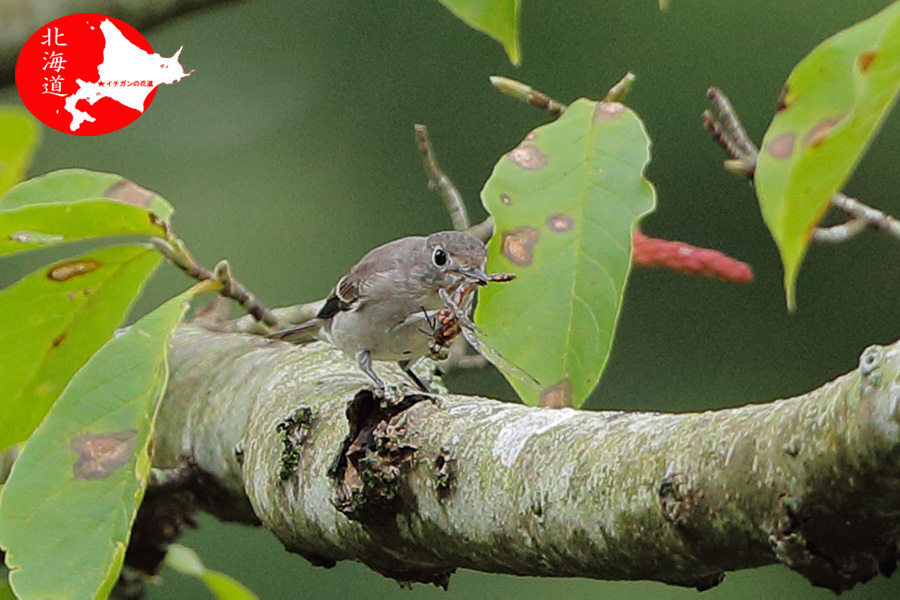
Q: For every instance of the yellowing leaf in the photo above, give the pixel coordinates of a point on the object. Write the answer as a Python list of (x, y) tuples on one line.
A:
[(833, 104)]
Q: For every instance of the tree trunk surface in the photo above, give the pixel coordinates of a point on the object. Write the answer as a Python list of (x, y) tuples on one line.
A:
[(291, 438)]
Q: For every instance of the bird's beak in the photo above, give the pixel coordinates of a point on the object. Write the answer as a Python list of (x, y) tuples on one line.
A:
[(474, 273)]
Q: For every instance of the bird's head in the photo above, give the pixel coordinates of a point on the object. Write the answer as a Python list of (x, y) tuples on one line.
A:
[(454, 257)]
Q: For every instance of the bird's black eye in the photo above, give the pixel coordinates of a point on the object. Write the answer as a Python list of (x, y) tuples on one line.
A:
[(439, 257)]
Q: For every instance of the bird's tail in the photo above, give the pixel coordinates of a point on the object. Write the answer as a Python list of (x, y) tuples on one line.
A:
[(299, 334)]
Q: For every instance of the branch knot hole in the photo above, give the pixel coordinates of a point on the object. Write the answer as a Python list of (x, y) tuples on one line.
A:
[(444, 472), (870, 362), (678, 498), (377, 454)]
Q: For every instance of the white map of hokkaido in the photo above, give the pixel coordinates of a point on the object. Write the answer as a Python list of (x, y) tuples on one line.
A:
[(123, 62)]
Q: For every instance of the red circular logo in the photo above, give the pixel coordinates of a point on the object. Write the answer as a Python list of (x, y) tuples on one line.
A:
[(90, 74)]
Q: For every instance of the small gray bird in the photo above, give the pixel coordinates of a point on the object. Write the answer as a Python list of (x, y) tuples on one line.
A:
[(382, 308)]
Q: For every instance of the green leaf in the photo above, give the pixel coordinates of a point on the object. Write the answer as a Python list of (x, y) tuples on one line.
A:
[(53, 320), (72, 185), (184, 560), (39, 225), (498, 19), (19, 138), (565, 203), (832, 105), (67, 509)]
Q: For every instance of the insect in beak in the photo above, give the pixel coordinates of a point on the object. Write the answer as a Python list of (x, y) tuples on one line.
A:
[(473, 273)]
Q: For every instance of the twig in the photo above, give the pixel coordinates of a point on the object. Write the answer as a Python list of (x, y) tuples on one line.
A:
[(732, 122), (438, 180), (872, 217), (618, 92), (525, 93), (840, 233), (177, 253), (483, 231), (726, 129)]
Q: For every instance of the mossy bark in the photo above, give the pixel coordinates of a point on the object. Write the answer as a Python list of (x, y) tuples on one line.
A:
[(420, 487)]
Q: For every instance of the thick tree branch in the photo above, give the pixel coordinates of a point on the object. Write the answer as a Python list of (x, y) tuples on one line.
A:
[(291, 437)]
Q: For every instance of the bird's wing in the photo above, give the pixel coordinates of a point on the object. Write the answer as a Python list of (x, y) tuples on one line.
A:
[(370, 278), (344, 296)]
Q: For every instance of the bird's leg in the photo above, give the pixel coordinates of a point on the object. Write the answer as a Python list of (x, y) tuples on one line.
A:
[(364, 360), (405, 365), (431, 321)]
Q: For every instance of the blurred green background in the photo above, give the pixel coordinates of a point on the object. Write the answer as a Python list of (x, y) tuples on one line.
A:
[(290, 151)]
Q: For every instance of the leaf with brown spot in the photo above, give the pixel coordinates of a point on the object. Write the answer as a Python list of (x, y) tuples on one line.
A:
[(51, 305), (66, 270), (73, 185), (101, 454), (36, 226), (820, 132), (833, 104), (87, 465), (865, 60), (558, 395), (781, 147), (566, 233), (608, 110), (518, 245), (781, 103), (528, 157), (560, 223), (74, 204), (129, 192)]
